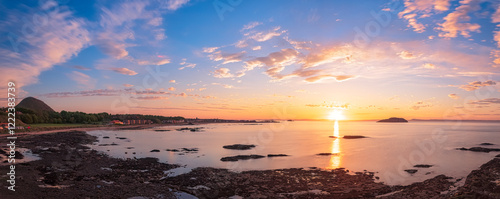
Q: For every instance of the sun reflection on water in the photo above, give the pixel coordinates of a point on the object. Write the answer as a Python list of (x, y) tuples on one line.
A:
[(335, 160)]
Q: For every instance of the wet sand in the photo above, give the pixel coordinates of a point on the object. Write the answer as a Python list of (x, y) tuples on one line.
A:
[(68, 169)]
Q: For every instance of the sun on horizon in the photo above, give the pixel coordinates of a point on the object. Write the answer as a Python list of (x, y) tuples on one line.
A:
[(336, 115)]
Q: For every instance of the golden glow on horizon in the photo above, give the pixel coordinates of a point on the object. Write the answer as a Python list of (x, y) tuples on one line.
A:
[(336, 115)]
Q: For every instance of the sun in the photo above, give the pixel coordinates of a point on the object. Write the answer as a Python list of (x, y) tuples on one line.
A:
[(336, 115)]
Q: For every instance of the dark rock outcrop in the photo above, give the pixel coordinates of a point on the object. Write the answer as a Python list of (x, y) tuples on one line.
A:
[(482, 183), (239, 146), (324, 154), (423, 166), (353, 136), (197, 129), (240, 157), (276, 155), (478, 149), (411, 171)]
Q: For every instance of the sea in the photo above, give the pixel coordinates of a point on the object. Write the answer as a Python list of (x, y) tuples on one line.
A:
[(387, 149)]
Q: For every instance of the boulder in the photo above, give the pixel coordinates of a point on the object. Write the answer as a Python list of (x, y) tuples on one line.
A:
[(276, 155), (411, 171), (423, 166), (239, 146), (478, 149), (240, 157)]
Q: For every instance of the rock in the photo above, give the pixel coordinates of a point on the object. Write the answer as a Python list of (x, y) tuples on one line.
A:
[(190, 129), (326, 154), (276, 155), (483, 182), (423, 166), (411, 171), (239, 146), (241, 157), (353, 136), (18, 155), (393, 119), (498, 156), (478, 149), (105, 137), (155, 150), (173, 150), (190, 149), (161, 130), (486, 144), (121, 138)]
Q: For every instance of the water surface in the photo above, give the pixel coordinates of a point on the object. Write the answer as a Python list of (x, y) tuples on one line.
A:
[(389, 149)]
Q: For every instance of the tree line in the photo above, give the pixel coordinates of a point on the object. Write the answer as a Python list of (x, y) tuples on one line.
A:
[(29, 116)]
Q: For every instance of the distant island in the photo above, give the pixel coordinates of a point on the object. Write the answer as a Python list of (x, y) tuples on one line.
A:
[(393, 119)]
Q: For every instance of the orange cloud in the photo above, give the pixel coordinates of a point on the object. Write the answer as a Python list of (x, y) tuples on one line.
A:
[(453, 96), (457, 21), (477, 85), (124, 71), (222, 73)]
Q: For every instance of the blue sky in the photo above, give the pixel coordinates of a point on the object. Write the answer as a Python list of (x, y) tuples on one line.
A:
[(246, 59)]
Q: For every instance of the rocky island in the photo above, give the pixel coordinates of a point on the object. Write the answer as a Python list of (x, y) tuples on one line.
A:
[(393, 119)]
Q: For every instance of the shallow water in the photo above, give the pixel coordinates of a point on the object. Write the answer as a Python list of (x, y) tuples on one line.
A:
[(389, 149)]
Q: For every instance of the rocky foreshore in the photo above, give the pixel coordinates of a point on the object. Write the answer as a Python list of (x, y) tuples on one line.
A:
[(69, 169)]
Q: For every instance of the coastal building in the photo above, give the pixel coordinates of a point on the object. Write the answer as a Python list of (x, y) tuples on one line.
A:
[(116, 122), (132, 122)]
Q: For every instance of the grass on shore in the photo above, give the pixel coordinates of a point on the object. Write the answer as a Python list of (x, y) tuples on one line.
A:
[(49, 126), (61, 125)]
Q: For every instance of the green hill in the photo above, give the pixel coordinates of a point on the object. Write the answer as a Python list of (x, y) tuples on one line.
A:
[(34, 104)]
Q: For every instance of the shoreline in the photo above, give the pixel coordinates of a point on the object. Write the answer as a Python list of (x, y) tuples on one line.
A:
[(67, 167)]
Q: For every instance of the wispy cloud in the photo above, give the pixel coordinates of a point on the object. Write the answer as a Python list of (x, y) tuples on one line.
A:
[(421, 104), (83, 80), (80, 67), (338, 78), (131, 92), (124, 71), (185, 64), (453, 96), (486, 101), (251, 25), (457, 22), (223, 85), (44, 48), (222, 73), (476, 85), (421, 9)]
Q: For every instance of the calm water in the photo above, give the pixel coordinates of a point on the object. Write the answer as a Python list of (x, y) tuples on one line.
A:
[(390, 149)]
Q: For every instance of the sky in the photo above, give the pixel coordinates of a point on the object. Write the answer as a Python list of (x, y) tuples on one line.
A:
[(241, 59)]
